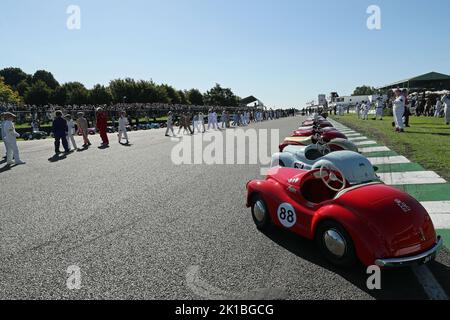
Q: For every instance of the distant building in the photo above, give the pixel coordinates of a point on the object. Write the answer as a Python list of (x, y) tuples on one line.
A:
[(432, 81)]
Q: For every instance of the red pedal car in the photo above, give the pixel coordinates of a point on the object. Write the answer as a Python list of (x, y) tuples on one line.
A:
[(324, 137), (348, 212)]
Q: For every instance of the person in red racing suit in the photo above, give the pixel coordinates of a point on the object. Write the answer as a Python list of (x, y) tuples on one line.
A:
[(102, 124)]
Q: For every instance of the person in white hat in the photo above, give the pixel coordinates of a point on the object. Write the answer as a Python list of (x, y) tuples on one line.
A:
[(438, 108), (2, 120), (170, 124), (379, 105), (71, 131), (399, 111), (123, 122), (9, 136)]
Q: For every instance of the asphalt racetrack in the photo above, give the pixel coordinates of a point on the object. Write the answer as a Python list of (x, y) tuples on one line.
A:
[(140, 227)]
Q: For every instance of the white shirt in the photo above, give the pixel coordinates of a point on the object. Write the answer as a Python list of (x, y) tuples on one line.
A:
[(123, 122), (446, 101), (8, 131), (399, 102), (71, 127)]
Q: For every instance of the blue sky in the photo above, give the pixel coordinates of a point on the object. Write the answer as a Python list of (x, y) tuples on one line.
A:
[(283, 51)]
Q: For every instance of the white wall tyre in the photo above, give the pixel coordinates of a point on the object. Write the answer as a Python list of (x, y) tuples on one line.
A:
[(335, 244), (260, 213)]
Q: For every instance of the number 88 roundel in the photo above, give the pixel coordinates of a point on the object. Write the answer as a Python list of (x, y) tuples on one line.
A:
[(287, 215)]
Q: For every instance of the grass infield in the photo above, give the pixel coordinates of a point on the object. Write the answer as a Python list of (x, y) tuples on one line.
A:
[(427, 141)]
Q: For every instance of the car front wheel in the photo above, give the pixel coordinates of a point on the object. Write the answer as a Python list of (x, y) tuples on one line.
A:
[(260, 213), (335, 244)]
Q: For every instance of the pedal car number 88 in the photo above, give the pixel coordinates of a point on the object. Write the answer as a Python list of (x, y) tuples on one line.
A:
[(287, 215)]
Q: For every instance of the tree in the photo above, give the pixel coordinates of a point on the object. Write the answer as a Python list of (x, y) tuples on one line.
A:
[(59, 96), (183, 98), (8, 95), (124, 90), (219, 96), (100, 95), (22, 87), (364, 91), (13, 76), (195, 97), (38, 94), (173, 95), (47, 78), (77, 94)]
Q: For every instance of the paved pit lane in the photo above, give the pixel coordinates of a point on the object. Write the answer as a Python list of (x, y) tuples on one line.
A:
[(141, 227)]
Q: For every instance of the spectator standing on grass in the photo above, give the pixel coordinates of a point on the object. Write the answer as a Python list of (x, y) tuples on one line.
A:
[(102, 125), (399, 111), (407, 107), (438, 108), (446, 102), (71, 132), (60, 130), (83, 127), (379, 105)]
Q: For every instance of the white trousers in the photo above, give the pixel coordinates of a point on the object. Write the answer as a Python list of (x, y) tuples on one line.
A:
[(398, 117), (71, 141), (12, 151), (170, 127), (437, 113), (124, 133), (379, 112), (447, 114), (213, 124)]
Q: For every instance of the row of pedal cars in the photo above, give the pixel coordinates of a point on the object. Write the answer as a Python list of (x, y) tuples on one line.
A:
[(321, 188), (38, 135)]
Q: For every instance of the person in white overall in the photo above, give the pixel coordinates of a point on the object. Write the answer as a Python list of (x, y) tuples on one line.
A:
[(446, 102), (123, 122), (399, 111), (358, 109), (212, 120), (71, 132), (9, 136), (379, 109), (438, 111), (170, 124), (366, 110)]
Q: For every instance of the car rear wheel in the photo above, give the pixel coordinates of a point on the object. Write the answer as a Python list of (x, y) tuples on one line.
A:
[(335, 244), (260, 213)]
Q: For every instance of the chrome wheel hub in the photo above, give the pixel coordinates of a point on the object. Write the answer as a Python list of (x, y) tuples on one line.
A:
[(259, 211), (335, 243)]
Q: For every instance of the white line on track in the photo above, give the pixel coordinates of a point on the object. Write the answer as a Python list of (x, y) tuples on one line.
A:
[(365, 143), (374, 149), (358, 139), (388, 160), (440, 221), (415, 177), (429, 283), (353, 135), (437, 207)]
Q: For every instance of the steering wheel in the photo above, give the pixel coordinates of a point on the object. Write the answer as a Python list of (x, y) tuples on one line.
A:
[(328, 175), (324, 148)]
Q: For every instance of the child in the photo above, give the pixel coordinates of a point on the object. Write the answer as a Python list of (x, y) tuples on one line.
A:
[(170, 124), (60, 132), (83, 127), (10, 136), (71, 131), (123, 122)]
